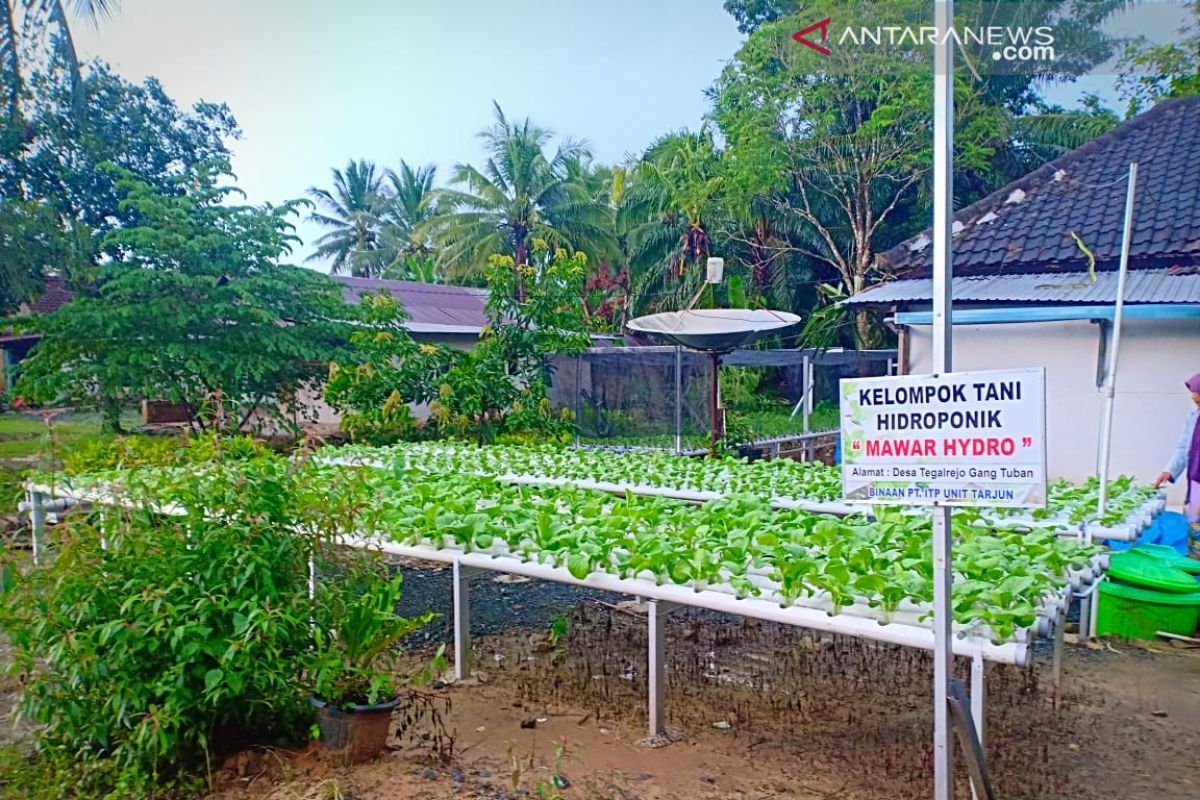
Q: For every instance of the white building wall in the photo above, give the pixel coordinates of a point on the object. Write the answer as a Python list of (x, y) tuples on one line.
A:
[(1151, 402), (322, 419)]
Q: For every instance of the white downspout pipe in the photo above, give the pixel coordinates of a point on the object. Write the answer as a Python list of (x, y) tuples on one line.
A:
[(1110, 380)]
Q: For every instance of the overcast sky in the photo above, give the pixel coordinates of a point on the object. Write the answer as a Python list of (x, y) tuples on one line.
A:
[(314, 83)]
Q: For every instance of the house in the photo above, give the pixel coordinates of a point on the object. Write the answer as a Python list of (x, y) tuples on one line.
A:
[(450, 315), (438, 314), (15, 346), (447, 315), (1034, 284)]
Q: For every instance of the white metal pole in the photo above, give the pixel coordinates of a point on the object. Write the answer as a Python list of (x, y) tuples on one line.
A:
[(678, 399), (1110, 380), (462, 620), (806, 398), (656, 613), (37, 524), (943, 212)]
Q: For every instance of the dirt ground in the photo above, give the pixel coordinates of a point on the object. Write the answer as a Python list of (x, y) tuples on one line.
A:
[(764, 712)]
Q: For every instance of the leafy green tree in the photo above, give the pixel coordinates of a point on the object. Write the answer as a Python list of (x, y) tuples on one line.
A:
[(34, 242), (837, 143), (354, 212), (197, 311), (137, 127), (496, 389), (499, 388), (385, 372), (519, 195), (750, 14), (1153, 72)]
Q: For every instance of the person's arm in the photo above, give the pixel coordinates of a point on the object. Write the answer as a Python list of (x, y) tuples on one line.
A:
[(1178, 460)]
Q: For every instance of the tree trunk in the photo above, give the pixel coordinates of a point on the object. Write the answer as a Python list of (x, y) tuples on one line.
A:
[(520, 259), (863, 333), (110, 415)]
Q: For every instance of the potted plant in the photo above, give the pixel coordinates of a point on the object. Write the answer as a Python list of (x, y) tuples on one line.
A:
[(355, 672)]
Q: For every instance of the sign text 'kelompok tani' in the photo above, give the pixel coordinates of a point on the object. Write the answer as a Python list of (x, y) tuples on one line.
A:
[(963, 439)]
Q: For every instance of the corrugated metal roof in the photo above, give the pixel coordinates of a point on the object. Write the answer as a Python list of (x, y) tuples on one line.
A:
[(431, 307), (1142, 286)]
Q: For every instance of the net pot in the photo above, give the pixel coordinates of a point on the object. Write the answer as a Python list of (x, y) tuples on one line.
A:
[(358, 732)]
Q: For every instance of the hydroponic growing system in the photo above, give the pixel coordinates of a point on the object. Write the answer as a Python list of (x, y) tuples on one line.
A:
[(767, 540)]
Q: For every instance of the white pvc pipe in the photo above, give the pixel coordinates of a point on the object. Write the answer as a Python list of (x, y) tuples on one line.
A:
[(905, 617), (1010, 653), (57, 504), (1110, 380)]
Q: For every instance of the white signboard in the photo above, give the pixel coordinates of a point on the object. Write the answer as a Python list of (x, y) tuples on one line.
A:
[(961, 439)]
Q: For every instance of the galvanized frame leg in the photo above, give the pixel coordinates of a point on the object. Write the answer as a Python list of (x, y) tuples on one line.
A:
[(978, 693), (1057, 663), (37, 524), (462, 621), (657, 612), (978, 697)]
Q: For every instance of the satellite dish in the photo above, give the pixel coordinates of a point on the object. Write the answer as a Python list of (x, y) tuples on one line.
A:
[(712, 330)]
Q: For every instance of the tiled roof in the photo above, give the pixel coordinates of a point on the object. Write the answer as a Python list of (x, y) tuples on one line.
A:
[(1027, 226), (55, 294), (432, 307), (1143, 286)]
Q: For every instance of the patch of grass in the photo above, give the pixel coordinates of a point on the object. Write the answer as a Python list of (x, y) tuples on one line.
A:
[(24, 435), (24, 775), (13, 423)]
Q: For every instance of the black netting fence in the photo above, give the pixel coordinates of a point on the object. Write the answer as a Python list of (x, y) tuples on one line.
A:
[(659, 397)]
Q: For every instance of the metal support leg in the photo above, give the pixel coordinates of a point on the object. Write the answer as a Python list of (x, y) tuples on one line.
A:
[(1085, 618), (462, 622), (978, 694), (943, 656), (1059, 629), (656, 614), (37, 524), (678, 399)]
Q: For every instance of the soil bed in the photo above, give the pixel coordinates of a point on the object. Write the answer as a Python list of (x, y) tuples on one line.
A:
[(763, 711)]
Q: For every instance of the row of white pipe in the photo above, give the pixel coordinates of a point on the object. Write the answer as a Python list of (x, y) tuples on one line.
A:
[(813, 619), (907, 625), (1136, 522)]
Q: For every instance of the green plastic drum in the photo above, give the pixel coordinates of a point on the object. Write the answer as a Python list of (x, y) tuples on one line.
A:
[(1133, 613), (1150, 572), (1170, 555)]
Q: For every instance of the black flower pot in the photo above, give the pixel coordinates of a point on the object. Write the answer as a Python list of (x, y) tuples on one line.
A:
[(358, 732)]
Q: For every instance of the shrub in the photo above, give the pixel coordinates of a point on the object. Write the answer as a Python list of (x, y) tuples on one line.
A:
[(126, 452), (356, 628), (152, 644)]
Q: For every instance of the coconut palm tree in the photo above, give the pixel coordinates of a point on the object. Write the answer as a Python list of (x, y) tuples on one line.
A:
[(667, 210), (411, 201), (408, 206), (354, 212), (414, 267), (21, 20), (519, 195)]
